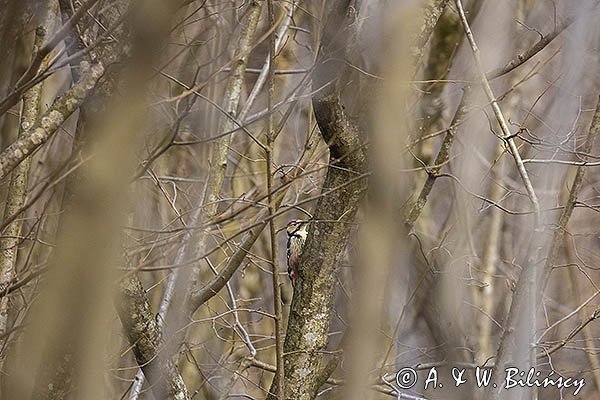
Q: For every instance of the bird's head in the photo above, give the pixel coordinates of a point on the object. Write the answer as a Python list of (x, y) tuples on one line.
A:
[(297, 227)]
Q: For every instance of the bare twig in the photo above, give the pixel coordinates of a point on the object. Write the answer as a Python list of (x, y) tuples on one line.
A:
[(507, 136), (272, 231)]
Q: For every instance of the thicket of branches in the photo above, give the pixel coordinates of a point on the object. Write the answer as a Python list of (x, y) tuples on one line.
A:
[(152, 153)]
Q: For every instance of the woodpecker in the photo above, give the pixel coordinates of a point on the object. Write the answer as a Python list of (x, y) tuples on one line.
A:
[(296, 231)]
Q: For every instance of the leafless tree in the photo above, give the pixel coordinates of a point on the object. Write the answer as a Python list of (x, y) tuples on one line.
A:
[(442, 154)]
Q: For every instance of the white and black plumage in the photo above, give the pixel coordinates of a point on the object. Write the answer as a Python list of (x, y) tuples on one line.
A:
[(296, 231)]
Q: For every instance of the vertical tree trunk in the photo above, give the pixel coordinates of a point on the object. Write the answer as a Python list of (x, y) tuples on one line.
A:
[(345, 183)]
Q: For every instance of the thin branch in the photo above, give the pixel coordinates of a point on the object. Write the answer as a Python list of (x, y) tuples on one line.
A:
[(272, 230), (507, 136)]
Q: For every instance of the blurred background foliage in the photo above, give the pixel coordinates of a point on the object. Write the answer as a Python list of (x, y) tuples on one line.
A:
[(136, 142)]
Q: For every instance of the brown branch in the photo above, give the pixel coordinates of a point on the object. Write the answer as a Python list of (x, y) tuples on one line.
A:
[(523, 307)]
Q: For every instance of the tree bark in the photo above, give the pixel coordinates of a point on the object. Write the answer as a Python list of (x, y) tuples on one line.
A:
[(344, 186)]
